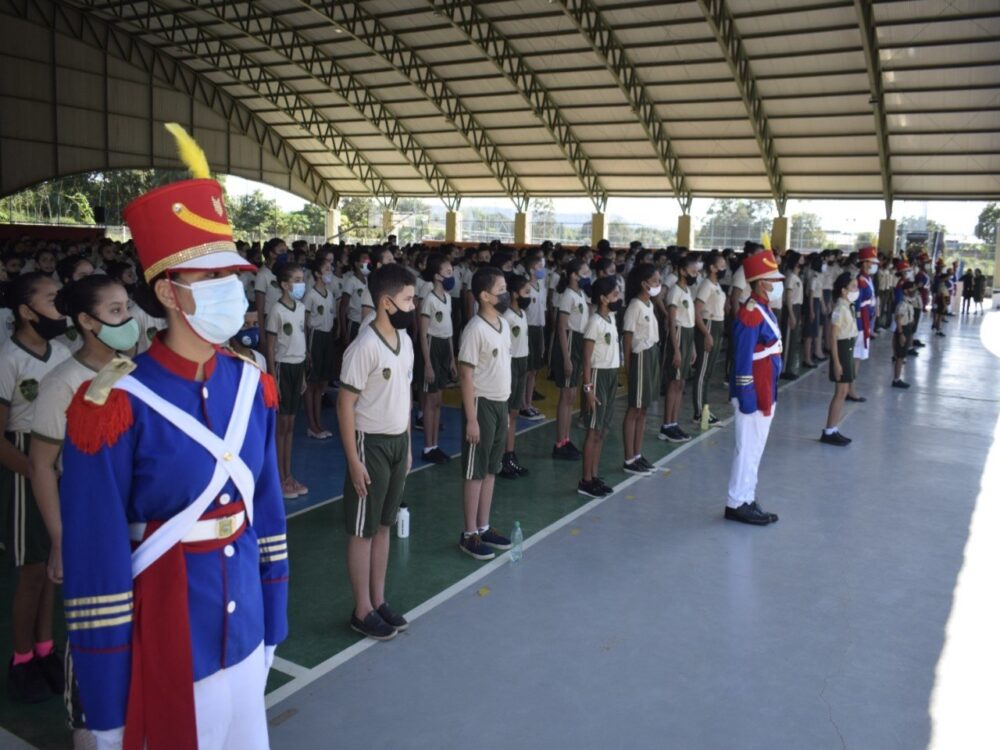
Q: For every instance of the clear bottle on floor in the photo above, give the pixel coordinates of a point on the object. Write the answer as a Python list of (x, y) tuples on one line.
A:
[(704, 417), (517, 543)]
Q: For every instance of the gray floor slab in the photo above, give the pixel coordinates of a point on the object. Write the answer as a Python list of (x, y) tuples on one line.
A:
[(651, 622)]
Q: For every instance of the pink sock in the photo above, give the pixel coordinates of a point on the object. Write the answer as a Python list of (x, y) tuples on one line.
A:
[(43, 649), (23, 658)]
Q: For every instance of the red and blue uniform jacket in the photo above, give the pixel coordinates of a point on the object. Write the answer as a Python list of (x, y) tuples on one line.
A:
[(865, 306), (124, 463), (754, 382)]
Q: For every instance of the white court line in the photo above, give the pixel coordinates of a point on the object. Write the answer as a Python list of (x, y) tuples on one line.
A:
[(290, 668), (290, 688)]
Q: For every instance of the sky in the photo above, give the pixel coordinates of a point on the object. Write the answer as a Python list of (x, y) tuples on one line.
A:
[(848, 216)]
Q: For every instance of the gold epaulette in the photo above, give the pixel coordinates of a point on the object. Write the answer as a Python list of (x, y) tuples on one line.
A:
[(751, 304), (248, 360), (104, 381)]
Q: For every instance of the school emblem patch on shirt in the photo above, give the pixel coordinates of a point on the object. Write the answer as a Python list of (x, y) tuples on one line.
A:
[(607, 338), (684, 302), (515, 330), (438, 316), (275, 284), (360, 292), (386, 373), (287, 328), (495, 352), (579, 308), (319, 310), (150, 333), (71, 334), (28, 389)]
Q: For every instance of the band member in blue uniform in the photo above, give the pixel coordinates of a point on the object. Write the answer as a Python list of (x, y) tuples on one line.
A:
[(753, 387), (174, 550)]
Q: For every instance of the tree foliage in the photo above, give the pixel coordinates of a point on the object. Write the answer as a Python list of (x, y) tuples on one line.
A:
[(986, 227)]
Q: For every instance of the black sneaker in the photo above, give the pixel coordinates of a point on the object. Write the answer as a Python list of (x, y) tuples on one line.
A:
[(648, 466), (834, 439), (809, 365), (772, 516), (492, 539), (473, 546), (606, 488), (683, 434), (521, 471), (900, 384), (673, 434), (435, 456), (508, 469), (531, 413), (919, 344), (593, 488), (567, 452), (940, 333), (398, 622), (856, 399), (26, 683), (635, 467), (373, 626), (789, 376), (747, 513), (52, 670)]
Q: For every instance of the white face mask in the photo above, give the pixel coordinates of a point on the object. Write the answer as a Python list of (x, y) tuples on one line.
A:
[(852, 296), (777, 290), (219, 308), (654, 291)]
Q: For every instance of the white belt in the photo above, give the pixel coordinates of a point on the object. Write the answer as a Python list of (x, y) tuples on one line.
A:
[(774, 348), (203, 531)]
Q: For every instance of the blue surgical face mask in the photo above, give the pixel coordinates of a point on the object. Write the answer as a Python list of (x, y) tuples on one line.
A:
[(249, 337), (327, 278), (298, 290), (585, 282), (219, 307), (540, 274), (448, 283)]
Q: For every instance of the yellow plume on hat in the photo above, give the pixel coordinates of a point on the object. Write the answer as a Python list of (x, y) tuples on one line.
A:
[(189, 151)]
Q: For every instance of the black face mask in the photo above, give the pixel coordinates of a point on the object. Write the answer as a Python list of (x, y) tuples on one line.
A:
[(620, 268), (523, 302), (503, 302), (615, 306), (401, 320), (48, 328), (692, 280)]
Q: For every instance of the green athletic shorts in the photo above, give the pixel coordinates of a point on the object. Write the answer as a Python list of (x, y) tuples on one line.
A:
[(322, 357), (440, 351), (643, 377), (605, 388), (685, 338), (536, 347), (290, 377), (487, 455), (575, 356), (845, 350), (385, 458), (26, 532), (518, 376)]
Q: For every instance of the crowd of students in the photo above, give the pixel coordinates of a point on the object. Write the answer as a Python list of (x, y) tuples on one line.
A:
[(395, 327)]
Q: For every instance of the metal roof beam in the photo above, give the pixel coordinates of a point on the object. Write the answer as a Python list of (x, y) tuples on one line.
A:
[(482, 32), (283, 39), (869, 39), (122, 45), (602, 39), (370, 31), (271, 87), (720, 20)]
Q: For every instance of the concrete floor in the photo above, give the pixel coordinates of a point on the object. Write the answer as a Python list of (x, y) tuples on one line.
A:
[(650, 622)]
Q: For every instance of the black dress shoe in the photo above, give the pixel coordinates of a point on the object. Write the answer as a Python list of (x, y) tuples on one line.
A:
[(26, 683), (51, 667), (856, 399), (747, 513), (772, 516), (809, 365), (788, 376), (834, 439)]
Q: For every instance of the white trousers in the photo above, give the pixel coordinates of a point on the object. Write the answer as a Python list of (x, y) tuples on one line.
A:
[(229, 708), (861, 348), (751, 437)]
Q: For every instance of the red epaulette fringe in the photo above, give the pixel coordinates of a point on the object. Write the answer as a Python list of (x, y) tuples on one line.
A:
[(270, 390), (92, 427)]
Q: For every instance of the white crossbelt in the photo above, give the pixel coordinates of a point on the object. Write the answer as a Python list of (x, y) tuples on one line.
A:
[(209, 530), (775, 347)]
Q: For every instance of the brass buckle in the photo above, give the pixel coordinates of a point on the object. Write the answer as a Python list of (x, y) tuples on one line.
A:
[(224, 527)]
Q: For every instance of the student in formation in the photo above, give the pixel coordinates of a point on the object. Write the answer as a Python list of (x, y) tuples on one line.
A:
[(812, 346), (710, 322), (436, 353), (320, 304), (567, 356), (843, 333), (267, 290), (902, 332), (641, 344), (35, 671), (285, 349), (791, 314), (373, 408), (353, 285), (679, 352), (517, 321), (99, 308), (169, 460), (865, 309), (484, 376), (534, 267), (601, 360)]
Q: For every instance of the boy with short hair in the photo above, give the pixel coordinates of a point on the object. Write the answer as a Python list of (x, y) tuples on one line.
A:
[(373, 408), (484, 374)]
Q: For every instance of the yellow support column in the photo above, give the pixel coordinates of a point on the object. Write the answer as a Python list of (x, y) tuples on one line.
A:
[(332, 227), (597, 229), (387, 219), (684, 230), (453, 226), (887, 237), (779, 235), (522, 228)]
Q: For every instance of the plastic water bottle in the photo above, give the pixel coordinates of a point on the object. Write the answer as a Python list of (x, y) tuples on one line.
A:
[(517, 543), (403, 522), (704, 417)]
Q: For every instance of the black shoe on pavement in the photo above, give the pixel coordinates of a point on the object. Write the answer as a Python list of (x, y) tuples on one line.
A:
[(789, 376), (772, 516), (398, 622), (593, 488), (673, 434), (856, 399), (834, 439), (508, 470), (26, 683), (473, 546), (435, 456), (521, 471), (747, 513), (649, 467), (52, 670), (900, 384), (373, 626), (567, 452), (531, 413), (492, 539), (809, 365), (606, 488), (635, 467)]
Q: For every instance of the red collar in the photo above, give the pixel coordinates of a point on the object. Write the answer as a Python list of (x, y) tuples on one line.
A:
[(175, 363), (760, 300)]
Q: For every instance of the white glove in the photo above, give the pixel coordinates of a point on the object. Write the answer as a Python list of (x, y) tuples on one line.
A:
[(109, 739)]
